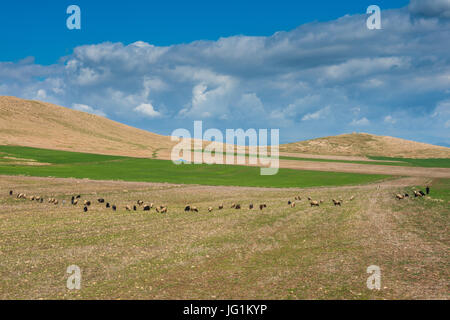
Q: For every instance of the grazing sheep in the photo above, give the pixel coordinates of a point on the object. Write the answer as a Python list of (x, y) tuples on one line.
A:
[(78, 196), (417, 193), (221, 206), (107, 205), (87, 203), (31, 198), (194, 209), (128, 208), (146, 208), (250, 206), (337, 202), (37, 198), (10, 192), (163, 209), (85, 209), (210, 209), (140, 202), (421, 193), (399, 196), (309, 198), (134, 208), (289, 202), (75, 202), (351, 198), (292, 204), (262, 206), (238, 206), (55, 201), (314, 203), (101, 200), (406, 195), (187, 208), (72, 200), (114, 207), (233, 205)]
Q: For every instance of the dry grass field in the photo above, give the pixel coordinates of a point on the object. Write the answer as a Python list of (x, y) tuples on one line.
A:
[(279, 253)]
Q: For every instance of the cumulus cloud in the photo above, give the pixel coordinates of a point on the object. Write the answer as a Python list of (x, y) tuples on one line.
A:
[(88, 109), (389, 119), (360, 122), (316, 115), (148, 110), (336, 70), (430, 8)]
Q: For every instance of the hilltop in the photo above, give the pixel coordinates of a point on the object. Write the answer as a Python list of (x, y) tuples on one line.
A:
[(44, 125), (364, 144)]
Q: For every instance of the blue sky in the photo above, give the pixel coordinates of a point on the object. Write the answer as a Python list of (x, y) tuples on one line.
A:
[(309, 68), (37, 28)]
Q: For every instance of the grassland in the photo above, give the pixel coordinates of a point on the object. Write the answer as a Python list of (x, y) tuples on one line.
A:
[(413, 162), (66, 164), (279, 253)]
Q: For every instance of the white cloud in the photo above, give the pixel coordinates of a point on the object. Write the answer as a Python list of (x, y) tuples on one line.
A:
[(430, 8), (389, 119), (88, 109), (275, 81), (360, 122), (316, 115), (148, 110), (41, 94)]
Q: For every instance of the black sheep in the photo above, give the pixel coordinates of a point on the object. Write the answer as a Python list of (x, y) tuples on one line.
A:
[(107, 204), (147, 208), (85, 209), (187, 208), (134, 208), (114, 207), (10, 192), (101, 200)]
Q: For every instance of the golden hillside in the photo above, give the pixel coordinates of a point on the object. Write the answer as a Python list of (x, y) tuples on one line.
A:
[(363, 144), (45, 125)]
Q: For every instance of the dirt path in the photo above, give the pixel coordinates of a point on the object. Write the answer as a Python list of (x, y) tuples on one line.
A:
[(408, 262)]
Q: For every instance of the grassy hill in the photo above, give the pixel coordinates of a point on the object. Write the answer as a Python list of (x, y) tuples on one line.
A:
[(364, 144), (45, 125)]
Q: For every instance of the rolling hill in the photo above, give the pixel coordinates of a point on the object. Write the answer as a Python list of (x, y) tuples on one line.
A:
[(44, 125), (364, 144)]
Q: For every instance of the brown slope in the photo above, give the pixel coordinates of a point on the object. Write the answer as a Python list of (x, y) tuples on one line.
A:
[(45, 125), (364, 144)]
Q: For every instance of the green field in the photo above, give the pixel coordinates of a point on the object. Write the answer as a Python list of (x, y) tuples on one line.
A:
[(103, 167), (427, 163)]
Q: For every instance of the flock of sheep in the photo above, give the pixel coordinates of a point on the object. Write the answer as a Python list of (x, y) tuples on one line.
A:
[(163, 208), (417, 194)]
